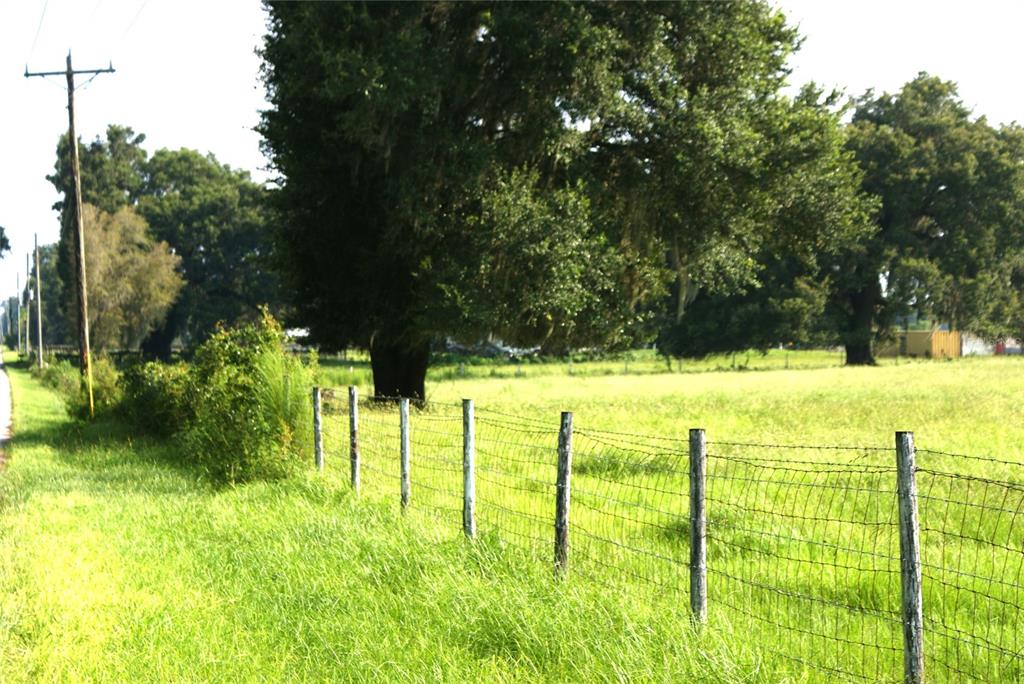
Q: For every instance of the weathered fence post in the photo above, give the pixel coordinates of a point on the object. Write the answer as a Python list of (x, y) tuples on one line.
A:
[(698, 527), (910, 560), (468, 474), (562, 494), (353, 434), (403, 411), (318, 438)]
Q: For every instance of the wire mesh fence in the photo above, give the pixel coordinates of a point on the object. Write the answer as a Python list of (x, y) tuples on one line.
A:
[(803, 551), (972, 565)]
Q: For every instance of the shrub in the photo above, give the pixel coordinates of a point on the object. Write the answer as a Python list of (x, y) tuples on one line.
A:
[(156, 397), (106, 388), (250, 405), (66, 379), (59, 375)]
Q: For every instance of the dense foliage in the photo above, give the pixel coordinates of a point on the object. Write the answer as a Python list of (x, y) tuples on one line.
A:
[(251, 414), (63, 377), (133, 279), (949, 233), (812, 196), (429, 152), (213, 217), (240, 409), (157, 397)]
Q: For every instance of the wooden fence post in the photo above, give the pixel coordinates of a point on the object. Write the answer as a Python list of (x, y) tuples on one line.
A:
[(910, 560), (698, 527), (468, 474), (353, 434), (318, 438), (403, 411), (562, 495)]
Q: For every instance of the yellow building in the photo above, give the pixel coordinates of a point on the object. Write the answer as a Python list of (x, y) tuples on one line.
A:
[(928, 344)]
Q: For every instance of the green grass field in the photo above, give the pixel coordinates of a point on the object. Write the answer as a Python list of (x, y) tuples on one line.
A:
[(118, 564)]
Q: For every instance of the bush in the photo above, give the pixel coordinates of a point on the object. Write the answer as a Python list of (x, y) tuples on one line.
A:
[(60, 376), (156, 397), (106, 389), (66, 379), (251, 412)]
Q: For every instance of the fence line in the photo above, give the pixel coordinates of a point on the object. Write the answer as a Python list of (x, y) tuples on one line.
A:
[(866, 563)]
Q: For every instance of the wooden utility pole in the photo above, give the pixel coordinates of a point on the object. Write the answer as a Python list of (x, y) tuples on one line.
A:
[(28, 304), (39, 307), (84, 357), (17, 281)]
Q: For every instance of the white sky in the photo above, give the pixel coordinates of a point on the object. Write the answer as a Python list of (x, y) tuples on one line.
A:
[(187, 76)]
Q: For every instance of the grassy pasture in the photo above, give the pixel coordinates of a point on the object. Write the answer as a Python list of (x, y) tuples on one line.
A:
[(353, 367), (118, 564), (804, 549)]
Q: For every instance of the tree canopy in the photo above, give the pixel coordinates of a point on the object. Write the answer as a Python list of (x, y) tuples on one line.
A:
[(547, 172), (133, 279), (214, 217), (211, 216), (950, 226), (814, 209)]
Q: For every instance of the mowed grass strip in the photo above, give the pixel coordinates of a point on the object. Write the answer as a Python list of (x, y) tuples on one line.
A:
[(118, 564)]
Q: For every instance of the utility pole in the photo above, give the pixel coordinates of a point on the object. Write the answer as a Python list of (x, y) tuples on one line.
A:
[(84, 357), (39, 306), (28, 304), (17, 280)]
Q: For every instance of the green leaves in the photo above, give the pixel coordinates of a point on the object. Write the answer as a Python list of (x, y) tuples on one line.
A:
[(951, 190), (213, 217), (132, 278), (540, 264), (517, 169)]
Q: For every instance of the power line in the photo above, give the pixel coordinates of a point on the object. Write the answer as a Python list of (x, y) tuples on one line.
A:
[(42, 16), (134, 19)]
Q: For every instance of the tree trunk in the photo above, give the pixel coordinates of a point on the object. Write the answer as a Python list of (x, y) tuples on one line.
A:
[(860, 334), (859, 354), (157, 344), (398, 369)]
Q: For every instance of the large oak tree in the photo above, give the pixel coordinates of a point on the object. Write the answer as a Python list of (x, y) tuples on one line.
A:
[(949, 232), (548, 172)]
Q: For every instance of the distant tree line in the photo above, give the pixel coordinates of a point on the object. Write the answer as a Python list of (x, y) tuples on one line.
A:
[(175, 244)]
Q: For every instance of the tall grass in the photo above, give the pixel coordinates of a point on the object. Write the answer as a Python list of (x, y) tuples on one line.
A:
[(118, 563)]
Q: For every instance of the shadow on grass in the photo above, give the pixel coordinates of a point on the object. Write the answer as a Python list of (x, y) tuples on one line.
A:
[(108, 454)]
